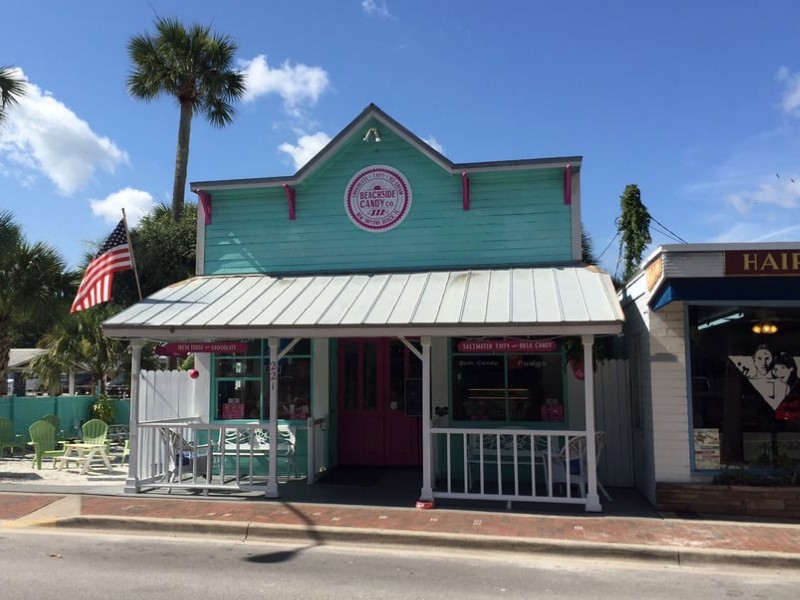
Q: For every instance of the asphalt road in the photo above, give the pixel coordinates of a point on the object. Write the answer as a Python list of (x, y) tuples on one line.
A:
[(36, 564)]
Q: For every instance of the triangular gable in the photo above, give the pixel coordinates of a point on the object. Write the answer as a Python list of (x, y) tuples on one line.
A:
[(358, 128)]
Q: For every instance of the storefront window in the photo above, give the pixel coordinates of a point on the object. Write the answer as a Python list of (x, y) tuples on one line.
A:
[(745, 395), (294, 388), (503, 380), (241, 382), (405, 379), (239, 398)]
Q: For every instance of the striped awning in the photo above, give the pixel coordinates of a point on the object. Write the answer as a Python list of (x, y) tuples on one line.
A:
[(516, 301)]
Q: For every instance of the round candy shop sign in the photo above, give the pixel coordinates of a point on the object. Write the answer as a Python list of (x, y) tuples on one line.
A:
[(377, 198)]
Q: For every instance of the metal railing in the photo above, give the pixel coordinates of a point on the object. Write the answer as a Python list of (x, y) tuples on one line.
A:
[(509, 464)]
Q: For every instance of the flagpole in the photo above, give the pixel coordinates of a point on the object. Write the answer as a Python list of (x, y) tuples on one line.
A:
[(133, 260)]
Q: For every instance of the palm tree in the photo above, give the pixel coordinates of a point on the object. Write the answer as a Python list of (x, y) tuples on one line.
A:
[(193, 66), (12, 87), (76, 344), (33, 285)]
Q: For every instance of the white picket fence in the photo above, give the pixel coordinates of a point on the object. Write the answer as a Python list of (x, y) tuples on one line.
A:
[(166, 395)]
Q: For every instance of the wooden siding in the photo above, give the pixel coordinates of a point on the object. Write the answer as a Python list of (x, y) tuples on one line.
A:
[(637, 324), (670, 407), (613, 415), (515, 217), (661, 446)]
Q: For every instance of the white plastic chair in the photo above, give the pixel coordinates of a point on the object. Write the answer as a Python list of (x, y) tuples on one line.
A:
[(251, 443), (183, 456), (569, 465), (286, 448), (521, 456)]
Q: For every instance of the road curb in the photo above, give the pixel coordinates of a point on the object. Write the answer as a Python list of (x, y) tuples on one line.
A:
[(325, 534)]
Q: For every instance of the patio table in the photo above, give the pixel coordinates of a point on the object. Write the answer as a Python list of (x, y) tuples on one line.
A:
[(118, 432), (84, 454)]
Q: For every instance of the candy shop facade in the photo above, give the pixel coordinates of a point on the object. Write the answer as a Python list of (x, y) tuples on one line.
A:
[(384, 307)]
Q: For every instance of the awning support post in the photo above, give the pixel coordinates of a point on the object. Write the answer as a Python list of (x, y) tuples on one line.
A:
[(426, 494), (132, 482), (272, 484), (592, 499)]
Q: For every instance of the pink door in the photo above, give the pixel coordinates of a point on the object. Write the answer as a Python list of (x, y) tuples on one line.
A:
[(379, 409)]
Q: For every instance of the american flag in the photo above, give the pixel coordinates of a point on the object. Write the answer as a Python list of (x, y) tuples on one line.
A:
[(115, 255)]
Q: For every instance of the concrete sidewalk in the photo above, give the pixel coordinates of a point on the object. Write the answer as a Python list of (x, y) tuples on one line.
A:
[(662, 538)]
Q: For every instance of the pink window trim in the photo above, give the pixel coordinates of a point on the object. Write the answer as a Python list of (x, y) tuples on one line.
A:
[(205, 204), (465, 190), (568, 185), (290, 199)]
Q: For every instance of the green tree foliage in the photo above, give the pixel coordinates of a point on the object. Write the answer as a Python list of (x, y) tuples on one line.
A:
[(164, 251), (33, 286), (634, 229), (195, 67), (12, 88), (587, 248), (77, 344)]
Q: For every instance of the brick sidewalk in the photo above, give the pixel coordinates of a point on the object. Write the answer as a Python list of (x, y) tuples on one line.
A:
[(671, 533)]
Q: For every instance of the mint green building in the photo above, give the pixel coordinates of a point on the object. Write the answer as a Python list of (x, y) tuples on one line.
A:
[(392, 309)]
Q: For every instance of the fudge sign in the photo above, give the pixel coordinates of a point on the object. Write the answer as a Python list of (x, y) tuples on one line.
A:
[(377, 198)]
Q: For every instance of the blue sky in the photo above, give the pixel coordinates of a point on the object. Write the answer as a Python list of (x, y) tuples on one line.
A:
[(698, 103)]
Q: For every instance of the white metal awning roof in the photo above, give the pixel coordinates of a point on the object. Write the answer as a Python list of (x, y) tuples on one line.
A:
[(517, 301), (18, 358)]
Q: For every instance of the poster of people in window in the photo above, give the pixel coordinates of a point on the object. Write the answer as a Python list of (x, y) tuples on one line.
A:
[(745, 385)]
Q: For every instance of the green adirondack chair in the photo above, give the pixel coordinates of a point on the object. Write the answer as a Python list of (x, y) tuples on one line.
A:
[(8, 439), (126, 452), (43, 440), (95, 431), (55, 421)]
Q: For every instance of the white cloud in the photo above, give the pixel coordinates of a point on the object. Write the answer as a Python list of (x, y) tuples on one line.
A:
[(750, 189), (754, 232), (791, 95), (763, 211), (431, 141), (376, 8), (135, 202), (295, 84), (307, 147), (43, 135), (783, 193)]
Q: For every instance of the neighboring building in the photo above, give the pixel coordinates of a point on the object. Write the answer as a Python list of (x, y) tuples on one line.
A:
[(714, 337), (408, 300), (18, 361), (20, 385)]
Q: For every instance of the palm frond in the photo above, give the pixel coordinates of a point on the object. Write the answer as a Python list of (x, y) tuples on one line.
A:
[(12, 88)]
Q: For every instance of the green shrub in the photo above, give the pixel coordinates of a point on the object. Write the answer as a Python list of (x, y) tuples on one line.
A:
[(103, 409)]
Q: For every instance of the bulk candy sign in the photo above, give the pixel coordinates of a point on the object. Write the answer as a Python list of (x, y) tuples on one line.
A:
[(507, 346), (377, 198)]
